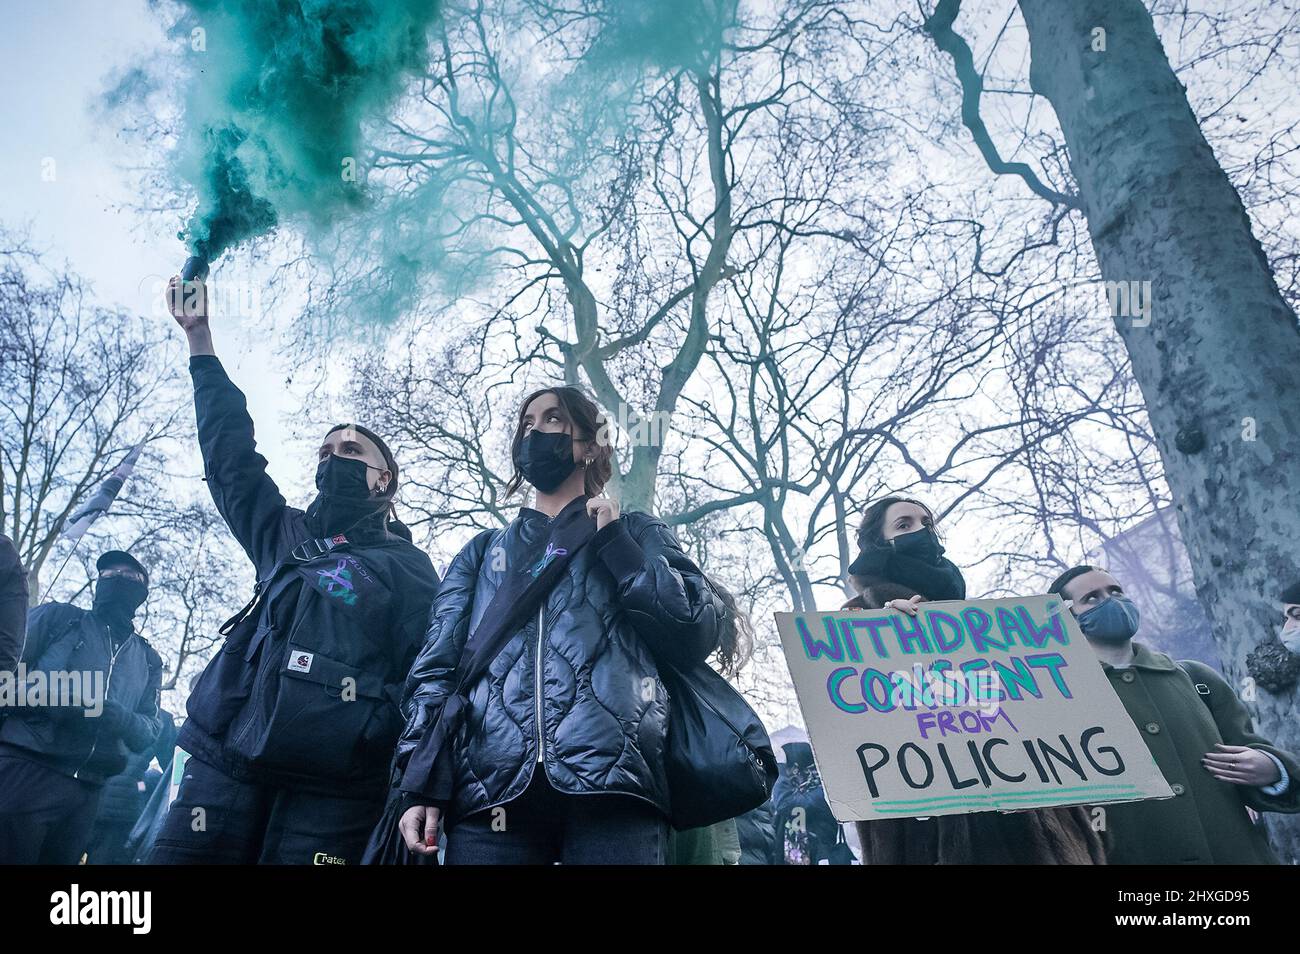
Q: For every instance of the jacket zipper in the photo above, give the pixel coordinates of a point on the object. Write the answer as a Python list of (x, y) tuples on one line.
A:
[(537, 693), (108, 682)]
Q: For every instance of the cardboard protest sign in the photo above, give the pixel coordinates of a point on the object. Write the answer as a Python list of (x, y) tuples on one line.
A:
[(970, 706), (179, 758)]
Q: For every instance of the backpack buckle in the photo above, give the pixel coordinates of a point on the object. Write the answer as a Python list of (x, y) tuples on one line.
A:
[(309, 550)]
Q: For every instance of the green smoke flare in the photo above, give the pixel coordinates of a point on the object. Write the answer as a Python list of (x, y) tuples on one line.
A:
[(275, 112)]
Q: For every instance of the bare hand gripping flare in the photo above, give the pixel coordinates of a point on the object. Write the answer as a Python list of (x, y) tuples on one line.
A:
[(275, 109)]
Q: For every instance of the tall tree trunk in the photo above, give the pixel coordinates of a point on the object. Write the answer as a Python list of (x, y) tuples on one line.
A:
[(1218, 361)]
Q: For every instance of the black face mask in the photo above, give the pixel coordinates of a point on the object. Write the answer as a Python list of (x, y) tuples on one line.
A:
[(914, 560), (344, 499), (922, 545), (116, 600), (546, 459)]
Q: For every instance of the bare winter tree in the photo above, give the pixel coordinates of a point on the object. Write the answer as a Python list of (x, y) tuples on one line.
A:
[(1217, 360), (611, 227), (1166, 221), (751, 229), (870, 337), (80, 385)]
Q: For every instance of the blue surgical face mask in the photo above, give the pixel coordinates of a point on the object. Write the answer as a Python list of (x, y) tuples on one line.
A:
[(1290, 636), (1114, 620)]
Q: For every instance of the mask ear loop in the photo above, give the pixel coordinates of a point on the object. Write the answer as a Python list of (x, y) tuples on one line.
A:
[(390, 512), (1061, 606)]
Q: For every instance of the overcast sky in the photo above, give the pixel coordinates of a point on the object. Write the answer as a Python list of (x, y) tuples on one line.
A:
[(55, 58)]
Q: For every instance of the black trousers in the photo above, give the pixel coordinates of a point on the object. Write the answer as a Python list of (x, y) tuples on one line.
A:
[(45, 816), (543, 826), (219, 820)]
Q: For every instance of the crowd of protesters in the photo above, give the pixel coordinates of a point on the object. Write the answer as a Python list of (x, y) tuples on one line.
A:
[(516, 711)]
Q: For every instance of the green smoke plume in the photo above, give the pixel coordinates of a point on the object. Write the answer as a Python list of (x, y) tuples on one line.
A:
[(667, 34), (274, 114)]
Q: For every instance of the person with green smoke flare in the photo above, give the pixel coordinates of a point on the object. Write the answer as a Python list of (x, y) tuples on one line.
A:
[(292, 724)]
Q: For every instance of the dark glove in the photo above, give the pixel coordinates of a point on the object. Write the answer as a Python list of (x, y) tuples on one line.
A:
[(118, 720), (114, 717)]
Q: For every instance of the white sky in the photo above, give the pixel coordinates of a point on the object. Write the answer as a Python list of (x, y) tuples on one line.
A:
[(55, 57)]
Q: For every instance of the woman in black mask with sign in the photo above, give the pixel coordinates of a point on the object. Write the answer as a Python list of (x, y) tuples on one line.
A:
[(901, 565), (546, 744), (292, 724), (900, 561)]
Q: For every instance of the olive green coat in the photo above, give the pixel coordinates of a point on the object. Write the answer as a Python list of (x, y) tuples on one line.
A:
[(1182, 713)]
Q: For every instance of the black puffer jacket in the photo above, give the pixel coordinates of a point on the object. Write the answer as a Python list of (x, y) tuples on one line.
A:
[(630, 594), (305, 692), (62, 638)]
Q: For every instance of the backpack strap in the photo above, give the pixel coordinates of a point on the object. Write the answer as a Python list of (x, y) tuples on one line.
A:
[(1202, 688)]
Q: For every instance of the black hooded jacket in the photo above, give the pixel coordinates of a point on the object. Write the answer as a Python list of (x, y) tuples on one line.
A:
[(305, 690), (84, 733), (585, 689)]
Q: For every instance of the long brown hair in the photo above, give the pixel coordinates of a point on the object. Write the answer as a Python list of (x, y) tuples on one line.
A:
[(871, 535), (736, 639), (585, 422)]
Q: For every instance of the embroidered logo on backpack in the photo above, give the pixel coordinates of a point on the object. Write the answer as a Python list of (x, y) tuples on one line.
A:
[(338, 583)]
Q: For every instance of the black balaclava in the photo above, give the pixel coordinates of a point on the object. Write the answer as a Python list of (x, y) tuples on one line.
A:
[(344, 500), (115, 601), (914, 560), (545, 458)]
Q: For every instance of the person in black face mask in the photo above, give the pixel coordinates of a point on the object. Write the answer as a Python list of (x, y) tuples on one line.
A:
[(1199, 733), (900, 562), (292, 724), (566, 724), (121, 589), (56, 753), (356, 480), (900, 565)]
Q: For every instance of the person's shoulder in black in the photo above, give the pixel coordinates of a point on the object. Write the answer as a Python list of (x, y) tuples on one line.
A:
[(13, 605)]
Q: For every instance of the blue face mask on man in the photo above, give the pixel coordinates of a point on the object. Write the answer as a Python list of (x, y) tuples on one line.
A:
[(1290, 636), (1114, 620)]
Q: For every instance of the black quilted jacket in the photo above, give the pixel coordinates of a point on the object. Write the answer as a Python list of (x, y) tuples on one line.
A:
[(585, 690)]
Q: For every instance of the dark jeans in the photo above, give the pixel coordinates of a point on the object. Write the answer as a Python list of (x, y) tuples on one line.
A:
[(543, 826), (219, 820), (45, 816)]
